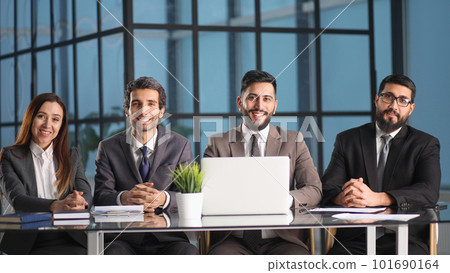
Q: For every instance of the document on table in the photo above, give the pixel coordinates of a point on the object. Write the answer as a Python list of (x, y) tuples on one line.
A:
[(349, 210), (378, 217), (118, 210)]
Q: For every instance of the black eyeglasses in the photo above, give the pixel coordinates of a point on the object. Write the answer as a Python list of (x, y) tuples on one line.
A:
[(389, 98)]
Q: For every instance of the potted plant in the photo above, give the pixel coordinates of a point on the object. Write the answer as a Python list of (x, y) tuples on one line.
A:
[(189, 178)]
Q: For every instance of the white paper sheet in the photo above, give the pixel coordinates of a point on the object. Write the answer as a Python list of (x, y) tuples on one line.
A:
[(378, 217), (350, 210)]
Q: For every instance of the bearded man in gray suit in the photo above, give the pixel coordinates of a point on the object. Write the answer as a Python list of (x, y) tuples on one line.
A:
[(257, 104), (133, 168)]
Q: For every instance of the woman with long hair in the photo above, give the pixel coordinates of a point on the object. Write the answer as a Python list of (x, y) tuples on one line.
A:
[(41, 174)]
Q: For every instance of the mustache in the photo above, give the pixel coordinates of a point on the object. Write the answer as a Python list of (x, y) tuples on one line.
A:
[(389, 111), (257, 110)]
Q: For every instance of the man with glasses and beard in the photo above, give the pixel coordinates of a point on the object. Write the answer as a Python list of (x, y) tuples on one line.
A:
[(257, 137), (384, 163)]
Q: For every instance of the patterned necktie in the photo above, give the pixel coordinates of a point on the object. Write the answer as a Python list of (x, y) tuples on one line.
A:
[(253, 237), (255, 147), (144, 167), (382, 161)]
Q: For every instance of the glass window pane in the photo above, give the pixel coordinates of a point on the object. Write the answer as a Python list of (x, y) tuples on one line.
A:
[(108, 10), (62, 16), (427, 65), (86, 12), (287, 13), (23, 24), (63, 71), (336, 13), (87, 79), (333, 126), (345, 73), (383, 39), (226, 13), (233, 54), (162, 12), (43, 22), (7, 27), (43, 72), (23, 84), (7, 87), (112, 78), (8, 137), (171, 50), (296, 90), (112, 128), (88, 139)]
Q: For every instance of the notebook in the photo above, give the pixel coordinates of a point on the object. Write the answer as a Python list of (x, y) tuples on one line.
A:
[(246, 185)]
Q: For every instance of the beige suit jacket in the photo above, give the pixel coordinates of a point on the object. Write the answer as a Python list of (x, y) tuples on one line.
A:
[(305, 185)]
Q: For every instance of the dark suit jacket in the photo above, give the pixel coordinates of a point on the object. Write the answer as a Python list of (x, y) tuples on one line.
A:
[(19, 188), (306, 188), (117, 171), (412, 174)]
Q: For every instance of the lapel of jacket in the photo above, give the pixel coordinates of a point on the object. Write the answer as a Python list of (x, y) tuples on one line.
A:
[(394, 154), (128, 154), (237, 146), (29, 176), (160, 148), (369, 150), (273, 144)]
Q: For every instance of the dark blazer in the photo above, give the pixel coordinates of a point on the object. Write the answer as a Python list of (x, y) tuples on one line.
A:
[(117, 170), (306, 188), (412, 174), (19, 188)]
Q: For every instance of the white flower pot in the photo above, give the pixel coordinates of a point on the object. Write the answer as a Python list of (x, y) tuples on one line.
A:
[(190, 205)]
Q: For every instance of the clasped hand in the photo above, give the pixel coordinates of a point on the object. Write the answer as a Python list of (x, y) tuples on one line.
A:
[(73, 201), (357, 194), (144, 194)]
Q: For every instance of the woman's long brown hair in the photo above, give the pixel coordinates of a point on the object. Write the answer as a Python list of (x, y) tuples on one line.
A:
[(60, 143)]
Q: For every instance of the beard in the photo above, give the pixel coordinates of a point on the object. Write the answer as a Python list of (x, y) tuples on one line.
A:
[(250, 124), (388, 126)]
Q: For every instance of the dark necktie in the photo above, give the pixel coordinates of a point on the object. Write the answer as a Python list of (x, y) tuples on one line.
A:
[(382, 161), (144, 167), (380, 172), (253, 237), (255, 148)]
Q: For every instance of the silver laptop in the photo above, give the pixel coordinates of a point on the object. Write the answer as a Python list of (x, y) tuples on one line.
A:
[(246, 185)]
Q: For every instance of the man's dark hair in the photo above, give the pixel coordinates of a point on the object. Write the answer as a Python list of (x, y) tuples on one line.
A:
[(253, 76), (144, 83), (399, 79)]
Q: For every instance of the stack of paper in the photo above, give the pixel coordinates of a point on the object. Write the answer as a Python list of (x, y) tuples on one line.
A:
[(71, 217)]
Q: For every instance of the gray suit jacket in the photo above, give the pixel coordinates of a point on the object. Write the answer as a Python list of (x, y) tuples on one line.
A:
[(19, 188), (117, 170), (306, 189)]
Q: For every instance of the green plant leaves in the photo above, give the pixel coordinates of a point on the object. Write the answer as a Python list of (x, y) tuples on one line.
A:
[(188, 177)]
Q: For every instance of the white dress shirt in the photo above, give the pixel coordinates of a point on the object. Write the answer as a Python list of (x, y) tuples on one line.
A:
[(45, 166), (262, 141), (136, 145)]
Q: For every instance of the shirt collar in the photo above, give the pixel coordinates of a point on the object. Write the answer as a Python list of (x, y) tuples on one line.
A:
[(136, 144), (247, 133), (39, 152), (380, 133)]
